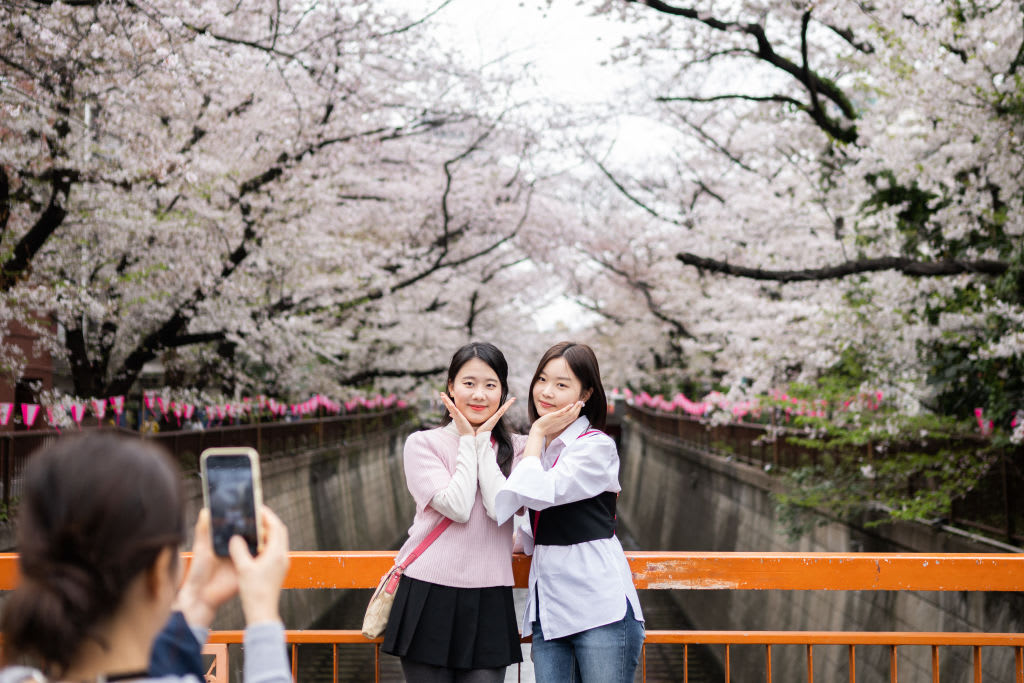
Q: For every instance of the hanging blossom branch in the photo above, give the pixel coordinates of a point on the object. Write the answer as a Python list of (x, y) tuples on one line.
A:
[(898, 263)]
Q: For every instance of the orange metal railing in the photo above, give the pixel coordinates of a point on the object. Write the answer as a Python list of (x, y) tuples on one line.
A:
[(716, 571)]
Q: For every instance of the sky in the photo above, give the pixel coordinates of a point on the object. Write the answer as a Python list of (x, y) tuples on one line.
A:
[(564, 44)]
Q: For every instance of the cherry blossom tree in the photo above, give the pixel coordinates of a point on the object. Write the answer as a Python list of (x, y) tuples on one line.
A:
[(843, 182), (286, 196)]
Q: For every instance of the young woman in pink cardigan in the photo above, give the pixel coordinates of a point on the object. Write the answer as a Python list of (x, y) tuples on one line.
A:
[(453, 618)]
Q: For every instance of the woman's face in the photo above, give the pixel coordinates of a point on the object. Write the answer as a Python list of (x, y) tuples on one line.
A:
[(476, 391), (557, 387)]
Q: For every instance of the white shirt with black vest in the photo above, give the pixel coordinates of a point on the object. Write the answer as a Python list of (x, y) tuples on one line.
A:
[(583, 585)]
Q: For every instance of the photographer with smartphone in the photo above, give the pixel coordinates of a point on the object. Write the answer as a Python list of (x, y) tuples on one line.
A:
[(99, 530)]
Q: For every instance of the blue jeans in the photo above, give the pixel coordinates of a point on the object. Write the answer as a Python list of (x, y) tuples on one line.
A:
[(605, 654)]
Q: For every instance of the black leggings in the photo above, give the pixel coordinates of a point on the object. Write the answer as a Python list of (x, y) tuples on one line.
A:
[(428, 673)]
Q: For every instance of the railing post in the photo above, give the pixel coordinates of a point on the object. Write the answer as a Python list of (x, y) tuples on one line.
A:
[(6, 453), (1009, 509)]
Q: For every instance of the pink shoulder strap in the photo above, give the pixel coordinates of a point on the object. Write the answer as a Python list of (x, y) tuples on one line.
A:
[(431, 537)]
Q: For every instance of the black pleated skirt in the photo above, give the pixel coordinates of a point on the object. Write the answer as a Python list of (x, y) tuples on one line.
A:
[(457, 628)]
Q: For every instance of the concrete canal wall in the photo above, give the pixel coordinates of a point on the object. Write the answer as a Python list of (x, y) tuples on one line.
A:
[(677, 498)]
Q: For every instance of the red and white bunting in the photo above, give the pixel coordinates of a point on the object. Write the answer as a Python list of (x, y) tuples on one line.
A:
[(77, 412), (6, 409), (99, 408), (117, 403), (53, 415), (29, 413)]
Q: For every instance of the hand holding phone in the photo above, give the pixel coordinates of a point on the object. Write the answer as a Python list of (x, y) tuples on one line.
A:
[(233, 495)]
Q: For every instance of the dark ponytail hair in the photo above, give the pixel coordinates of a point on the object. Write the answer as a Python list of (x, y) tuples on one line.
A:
[(583, 363), (96, 512), (489, 354)]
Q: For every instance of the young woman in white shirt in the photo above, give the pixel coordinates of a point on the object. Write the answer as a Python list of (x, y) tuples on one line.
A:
[(453, 619), (583, 611)]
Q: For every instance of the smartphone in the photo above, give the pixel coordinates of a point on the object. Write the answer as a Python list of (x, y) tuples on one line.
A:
[(233, 495)]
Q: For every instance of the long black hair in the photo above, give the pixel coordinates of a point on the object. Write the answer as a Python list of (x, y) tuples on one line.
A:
[(583, 363), (494, 358)]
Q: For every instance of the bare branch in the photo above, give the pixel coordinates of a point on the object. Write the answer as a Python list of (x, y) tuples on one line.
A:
[(903, 265)]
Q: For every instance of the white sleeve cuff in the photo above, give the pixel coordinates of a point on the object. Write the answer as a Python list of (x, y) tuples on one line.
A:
[(528, 475), (488, 473)]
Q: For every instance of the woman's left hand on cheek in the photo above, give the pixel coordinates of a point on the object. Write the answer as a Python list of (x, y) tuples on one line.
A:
[(489, 424)]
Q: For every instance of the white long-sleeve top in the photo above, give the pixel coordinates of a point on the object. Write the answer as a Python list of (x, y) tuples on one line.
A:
[(579, 586), (475, 466)]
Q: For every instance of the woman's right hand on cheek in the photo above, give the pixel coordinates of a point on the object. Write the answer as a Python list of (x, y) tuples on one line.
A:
[(460, 420)]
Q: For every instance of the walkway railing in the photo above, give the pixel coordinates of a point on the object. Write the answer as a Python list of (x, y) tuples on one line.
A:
[(716, 571), (993, 507)]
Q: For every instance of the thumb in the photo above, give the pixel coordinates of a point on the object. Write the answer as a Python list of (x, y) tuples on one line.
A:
[(239, 551), (202, 535)]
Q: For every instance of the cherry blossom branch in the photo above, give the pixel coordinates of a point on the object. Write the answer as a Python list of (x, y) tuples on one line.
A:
[(17, 265), (170, 333), (369, 374), (628, 195), (814, 83), (5, 201), (645, 289), (903, 265)]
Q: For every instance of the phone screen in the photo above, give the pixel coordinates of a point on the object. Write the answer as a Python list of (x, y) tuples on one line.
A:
[(232, 501)]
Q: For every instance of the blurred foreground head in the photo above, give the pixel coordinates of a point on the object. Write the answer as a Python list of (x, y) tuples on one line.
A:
[(95, 514)]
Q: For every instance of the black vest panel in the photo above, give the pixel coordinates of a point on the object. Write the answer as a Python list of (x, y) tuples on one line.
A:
[(578, 522)]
